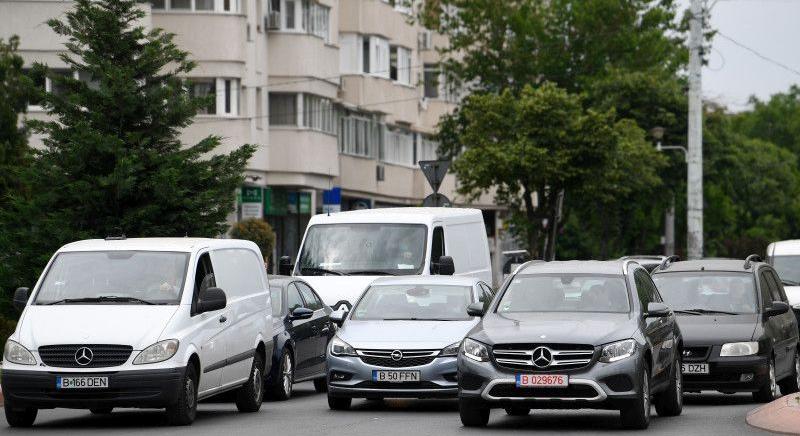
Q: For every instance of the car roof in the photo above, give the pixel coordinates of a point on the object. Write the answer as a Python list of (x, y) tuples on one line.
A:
[(605, 267), (788, 247), (710, 264), (281, 280), (400, 215), (427, 280), (187, 245)]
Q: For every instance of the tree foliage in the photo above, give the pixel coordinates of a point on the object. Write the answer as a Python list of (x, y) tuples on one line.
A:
[(258, 231), (15, 90)]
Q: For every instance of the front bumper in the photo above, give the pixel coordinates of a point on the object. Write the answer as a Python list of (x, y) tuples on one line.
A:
[(350, 377), (156, 388), (728, 374)]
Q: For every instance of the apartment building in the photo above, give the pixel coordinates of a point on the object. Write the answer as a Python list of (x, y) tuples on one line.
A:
[(342, 97)]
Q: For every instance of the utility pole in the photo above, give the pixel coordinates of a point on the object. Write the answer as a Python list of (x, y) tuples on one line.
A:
[(694, 218)]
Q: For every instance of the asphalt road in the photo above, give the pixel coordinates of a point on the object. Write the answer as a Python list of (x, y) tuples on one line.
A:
[(307, 413)]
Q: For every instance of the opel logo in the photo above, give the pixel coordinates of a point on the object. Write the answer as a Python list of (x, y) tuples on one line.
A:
[(83, 356), (397, 355), (542, 357)]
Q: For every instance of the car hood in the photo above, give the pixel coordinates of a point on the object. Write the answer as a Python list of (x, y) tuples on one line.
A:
[(555, 327), (333, 289), (404, 334), (136, 325), (717, 329)]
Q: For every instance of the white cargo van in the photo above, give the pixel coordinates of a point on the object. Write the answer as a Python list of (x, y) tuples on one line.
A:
[(151, 323), (784, 256), (343, 252)]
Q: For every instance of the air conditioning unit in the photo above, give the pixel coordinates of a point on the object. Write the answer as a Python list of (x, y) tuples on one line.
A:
[(380, 173), (273, 21)]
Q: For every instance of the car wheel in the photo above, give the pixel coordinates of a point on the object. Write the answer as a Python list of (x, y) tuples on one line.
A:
[(339, 403), (474, 413), (769, 391), (251, 394), (517, 411), (20, 417), (670, 402), (636, 414), (184, 411), (101, 410), (791, 384), (321, 385), (281, 388)]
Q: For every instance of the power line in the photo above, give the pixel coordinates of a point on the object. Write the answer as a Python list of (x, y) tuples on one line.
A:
[(760, 55)]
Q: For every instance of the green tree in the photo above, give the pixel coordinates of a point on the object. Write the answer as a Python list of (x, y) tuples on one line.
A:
[(532, 148), (258, 231), (112, 157), (776, 120)]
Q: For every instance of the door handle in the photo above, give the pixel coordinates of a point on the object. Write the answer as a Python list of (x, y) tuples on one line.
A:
[(326, 329), (222, 319)]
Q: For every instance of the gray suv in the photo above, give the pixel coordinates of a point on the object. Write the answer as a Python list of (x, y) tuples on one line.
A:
[(578, 334)]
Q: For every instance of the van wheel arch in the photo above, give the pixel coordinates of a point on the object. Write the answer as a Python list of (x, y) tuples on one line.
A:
[(194, 360)]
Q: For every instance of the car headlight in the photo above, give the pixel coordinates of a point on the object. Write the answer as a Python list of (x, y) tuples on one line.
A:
[(16, 353), (475, 350), (617, 351), (739, 349), (451, 350), (341, 348), (158, 352)]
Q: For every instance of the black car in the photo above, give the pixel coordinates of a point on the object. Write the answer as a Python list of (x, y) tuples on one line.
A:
[(739, 333), (573, 335), (302, 327)]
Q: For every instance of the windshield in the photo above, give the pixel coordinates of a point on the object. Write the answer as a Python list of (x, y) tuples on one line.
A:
[(565, 293), (788, 268), (368, 249), (414, 302), (150, 276), (708, 291)]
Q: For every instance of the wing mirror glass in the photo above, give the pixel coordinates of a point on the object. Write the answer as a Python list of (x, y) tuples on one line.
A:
[(777, 308), (21, 298), (475, 309), (338, 317), (211, 299), (657, 310), (301, 313), (446, 266)]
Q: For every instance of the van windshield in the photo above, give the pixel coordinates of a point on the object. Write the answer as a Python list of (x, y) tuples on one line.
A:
[(114, 277), (363, 249)]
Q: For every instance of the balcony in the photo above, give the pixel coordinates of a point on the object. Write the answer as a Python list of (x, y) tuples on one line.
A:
[(374, 17), (212, 37), (378, 94), (302, 157), (293, 55), (436, 109)]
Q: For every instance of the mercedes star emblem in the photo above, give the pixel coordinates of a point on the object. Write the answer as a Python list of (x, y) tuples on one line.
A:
[(542, 357), (84, 356), (397, 355)]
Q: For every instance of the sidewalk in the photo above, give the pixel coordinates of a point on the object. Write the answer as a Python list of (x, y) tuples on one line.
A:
[(779, 416)]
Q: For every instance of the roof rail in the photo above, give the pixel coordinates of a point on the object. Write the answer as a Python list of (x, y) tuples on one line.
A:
[(525, 264), (667, 262), (752, 258)]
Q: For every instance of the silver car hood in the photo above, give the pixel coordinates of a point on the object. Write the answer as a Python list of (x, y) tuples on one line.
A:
[(391, 335)]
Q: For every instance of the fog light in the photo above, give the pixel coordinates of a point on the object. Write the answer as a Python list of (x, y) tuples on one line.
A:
[(340, 376), (746, 377)]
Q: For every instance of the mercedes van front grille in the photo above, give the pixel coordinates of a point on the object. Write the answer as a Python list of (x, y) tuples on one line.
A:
[(85, 356)]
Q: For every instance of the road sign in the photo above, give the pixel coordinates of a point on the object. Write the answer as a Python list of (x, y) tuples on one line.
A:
[(434, 171), (436, 200)]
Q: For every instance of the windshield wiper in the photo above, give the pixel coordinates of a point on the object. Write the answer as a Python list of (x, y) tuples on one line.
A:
[(101, 299), (421, 319), (709, 311), (371, 273), (314, 269), (690, 312), (789, 282)]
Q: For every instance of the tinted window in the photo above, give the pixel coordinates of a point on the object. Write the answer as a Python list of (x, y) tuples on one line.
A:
[(293, 299), (485, 296), (565, 293), (277, 300), (766, 295), (774, 291), (643, 291), (779, 285), (312, 302), (414, 302), (437, 247), (708, 290)]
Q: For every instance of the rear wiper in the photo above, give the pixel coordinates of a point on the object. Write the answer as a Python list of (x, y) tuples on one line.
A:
[(371, 273), (303, 270), (708, 311), (101, 299)]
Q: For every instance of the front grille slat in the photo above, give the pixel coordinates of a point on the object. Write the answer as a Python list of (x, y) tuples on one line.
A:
[(411, 358), (63, 356), (564, 356)]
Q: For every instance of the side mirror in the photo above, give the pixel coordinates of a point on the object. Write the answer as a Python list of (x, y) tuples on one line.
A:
[(301, 313), (338, 317), (285, 266), (657, 310), (21, 298), (475, 309), (446, 266), (778, 308), (211, 299)]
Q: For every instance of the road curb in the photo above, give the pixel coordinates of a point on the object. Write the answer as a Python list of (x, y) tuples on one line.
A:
[(780, 416)]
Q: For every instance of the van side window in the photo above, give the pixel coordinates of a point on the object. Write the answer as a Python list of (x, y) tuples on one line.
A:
[(437, 248), (312, 302), (203, 278), (293, 299)]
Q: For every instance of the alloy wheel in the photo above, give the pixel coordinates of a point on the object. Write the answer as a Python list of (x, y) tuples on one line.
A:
[(679, 383), (287, 374), (797, 367), (258, 384), (191, 399), (773, 384), (646, 395)]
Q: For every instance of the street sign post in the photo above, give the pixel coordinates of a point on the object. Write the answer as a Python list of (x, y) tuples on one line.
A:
[(434, 171)]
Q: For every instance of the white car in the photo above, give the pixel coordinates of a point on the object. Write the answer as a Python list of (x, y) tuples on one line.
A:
[(150, 323), (784, 256)]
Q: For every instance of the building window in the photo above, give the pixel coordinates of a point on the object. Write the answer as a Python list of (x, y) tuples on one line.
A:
[(290, 12), (427, 149), (359, 134), (196, 5), (398, 146), (45, 82), (282, 109), (431, 74), (204, 88), (400, 65), (259, 109), (316, 19), (404, 6), (204, 5), (319, 113), (365, 55), (180, 4)]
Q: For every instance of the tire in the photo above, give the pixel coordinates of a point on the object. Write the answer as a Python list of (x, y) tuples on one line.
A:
[(474, 413), (185, 410), (17, 417), (517, 411), (791, 384), (769, 391), (321, 385), (101, 410), (670, 402), (251, 394), (339, 403), (636, 414), (282, 385)]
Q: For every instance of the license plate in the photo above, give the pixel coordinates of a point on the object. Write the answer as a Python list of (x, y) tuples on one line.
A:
[(542, 380), (695, 368), (396, 376), (81, 382)]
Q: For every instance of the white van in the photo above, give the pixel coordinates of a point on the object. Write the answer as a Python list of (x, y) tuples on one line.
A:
[(151, 323), (344, 252), (784, 256)]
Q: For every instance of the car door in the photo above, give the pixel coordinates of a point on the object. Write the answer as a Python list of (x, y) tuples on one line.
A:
[(787, 340), (211, 346), (657, 331), (302, 332), (321, 329)]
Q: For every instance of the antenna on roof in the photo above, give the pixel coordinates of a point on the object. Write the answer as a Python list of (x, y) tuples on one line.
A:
[(752, 258), (667, 262), (117, 235)]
